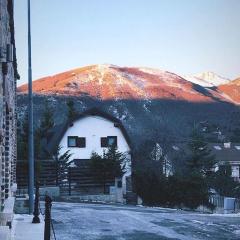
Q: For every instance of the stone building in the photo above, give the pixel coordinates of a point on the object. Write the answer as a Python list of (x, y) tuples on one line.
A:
[(8, 77)]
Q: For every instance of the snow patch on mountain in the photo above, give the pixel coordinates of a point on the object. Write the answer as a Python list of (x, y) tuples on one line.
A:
[(152, 70), (206, 79), (106, 81)]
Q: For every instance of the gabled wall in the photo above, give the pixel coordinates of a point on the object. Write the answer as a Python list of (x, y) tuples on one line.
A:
[(92, 128)]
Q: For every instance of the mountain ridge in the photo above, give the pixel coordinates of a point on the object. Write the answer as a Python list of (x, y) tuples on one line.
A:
[(106, 81)]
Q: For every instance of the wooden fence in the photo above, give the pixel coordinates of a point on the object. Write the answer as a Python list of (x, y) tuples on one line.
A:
[(79, 179), (45, 173)]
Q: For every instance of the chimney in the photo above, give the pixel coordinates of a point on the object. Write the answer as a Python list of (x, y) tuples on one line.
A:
[(227, 145)]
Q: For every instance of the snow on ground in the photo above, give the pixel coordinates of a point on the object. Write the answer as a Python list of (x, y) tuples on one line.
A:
[(109, 222), (24, 229)]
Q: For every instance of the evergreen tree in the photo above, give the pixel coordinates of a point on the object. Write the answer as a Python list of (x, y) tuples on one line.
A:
[(42, 132), (200, 159), (109, 166), (199, 169), (62, 164), (236, 134), (149, 180), (47, 121), (235, 126), (22, 138), (196, 191), (223, 182), (71, 110)]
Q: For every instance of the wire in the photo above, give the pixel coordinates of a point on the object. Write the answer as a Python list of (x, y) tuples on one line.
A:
[(40, 210), (52, 226), (53, 229)]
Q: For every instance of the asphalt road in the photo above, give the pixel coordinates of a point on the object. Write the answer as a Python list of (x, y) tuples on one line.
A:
[(73, 221)]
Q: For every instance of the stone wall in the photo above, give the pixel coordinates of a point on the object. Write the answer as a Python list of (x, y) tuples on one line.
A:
[(7, 103)]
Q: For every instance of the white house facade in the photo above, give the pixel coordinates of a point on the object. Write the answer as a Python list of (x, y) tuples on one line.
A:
[(92, 134), (96, 131)]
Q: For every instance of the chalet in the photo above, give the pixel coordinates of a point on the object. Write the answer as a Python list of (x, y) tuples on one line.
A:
[(93, 131), (225, 154), (228, 154)]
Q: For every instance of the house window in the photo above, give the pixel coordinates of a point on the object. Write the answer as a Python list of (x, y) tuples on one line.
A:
[(74, 141), (109, 141), (112, 141)]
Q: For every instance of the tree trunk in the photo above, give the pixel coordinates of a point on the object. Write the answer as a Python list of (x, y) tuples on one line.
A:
[(104, 183)]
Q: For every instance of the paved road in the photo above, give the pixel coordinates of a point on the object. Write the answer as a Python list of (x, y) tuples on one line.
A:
[(73, 221)]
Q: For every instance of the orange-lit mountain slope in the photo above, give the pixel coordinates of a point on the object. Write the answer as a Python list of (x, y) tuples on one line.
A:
[(232, 89), (113, 82)]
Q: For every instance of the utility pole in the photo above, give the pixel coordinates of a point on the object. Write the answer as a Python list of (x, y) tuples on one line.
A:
[(30, 119)]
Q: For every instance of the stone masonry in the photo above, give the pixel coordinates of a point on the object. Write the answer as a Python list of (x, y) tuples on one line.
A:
[(8, 77)]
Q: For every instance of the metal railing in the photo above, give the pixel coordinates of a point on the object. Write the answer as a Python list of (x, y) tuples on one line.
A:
[(218, 202)]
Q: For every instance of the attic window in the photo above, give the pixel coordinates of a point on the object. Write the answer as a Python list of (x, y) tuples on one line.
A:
[(109, 141), (237, 147), (72, 141), (217, 147), (112, 141)]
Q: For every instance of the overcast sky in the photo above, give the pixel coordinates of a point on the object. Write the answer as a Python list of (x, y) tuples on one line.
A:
[(182, 36)]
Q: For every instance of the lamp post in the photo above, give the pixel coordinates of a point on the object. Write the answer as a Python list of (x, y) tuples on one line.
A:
[(36, 218), (30, 119), (70, 167)]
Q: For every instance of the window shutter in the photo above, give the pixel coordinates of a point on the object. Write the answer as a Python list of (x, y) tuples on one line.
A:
[(81, 142), (104, 142)]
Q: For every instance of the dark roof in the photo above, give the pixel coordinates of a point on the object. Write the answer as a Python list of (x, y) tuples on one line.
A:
[(58, 131), (223, 152)]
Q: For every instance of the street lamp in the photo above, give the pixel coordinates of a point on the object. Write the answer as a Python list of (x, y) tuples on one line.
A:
[(30, 120), (71, 165)]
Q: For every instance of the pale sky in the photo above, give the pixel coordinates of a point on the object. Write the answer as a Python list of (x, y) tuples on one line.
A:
[(182, 36)]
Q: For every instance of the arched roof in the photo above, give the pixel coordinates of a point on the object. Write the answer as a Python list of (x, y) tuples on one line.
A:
[(59, 130)]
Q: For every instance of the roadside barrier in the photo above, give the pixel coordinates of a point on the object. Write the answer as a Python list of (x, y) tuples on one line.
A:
[(48, 226)]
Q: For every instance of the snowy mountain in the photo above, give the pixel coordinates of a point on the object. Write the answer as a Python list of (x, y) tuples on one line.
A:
[(113, 82), (232, 90), (206, 79), (149, 102)]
